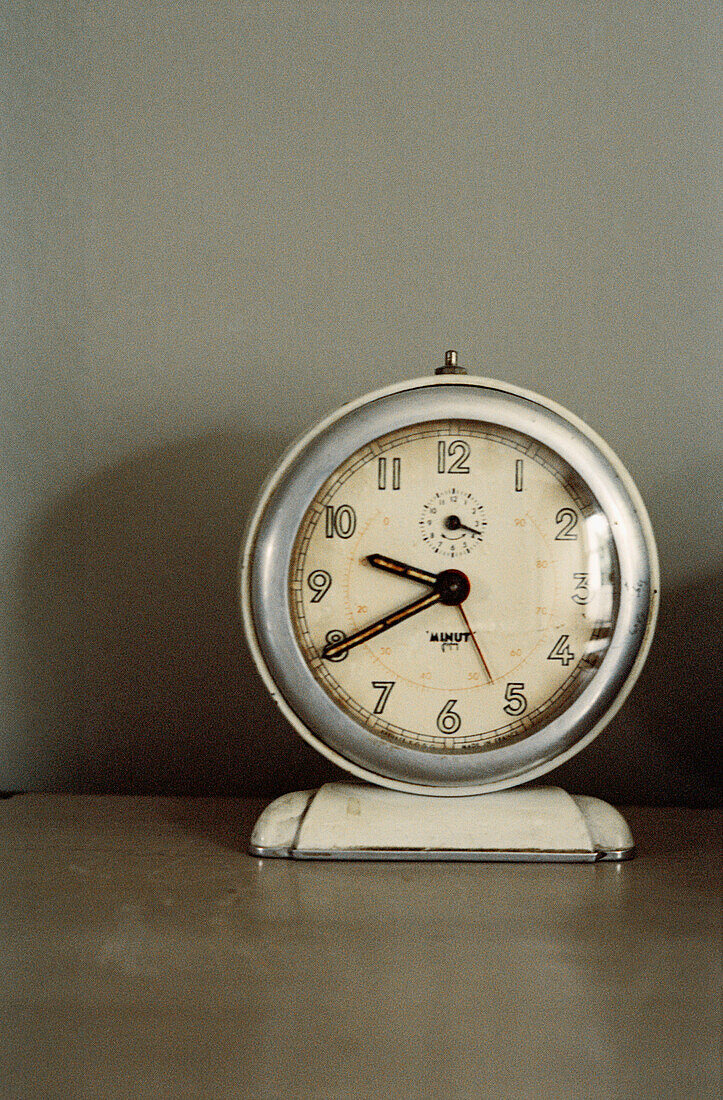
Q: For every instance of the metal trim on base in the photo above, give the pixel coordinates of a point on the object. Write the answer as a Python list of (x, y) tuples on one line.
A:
[(438, 855)]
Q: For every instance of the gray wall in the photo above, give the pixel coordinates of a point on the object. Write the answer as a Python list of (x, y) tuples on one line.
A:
[(221, 220)]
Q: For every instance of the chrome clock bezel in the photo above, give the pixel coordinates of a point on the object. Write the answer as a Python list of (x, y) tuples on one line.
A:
[(266, 560)]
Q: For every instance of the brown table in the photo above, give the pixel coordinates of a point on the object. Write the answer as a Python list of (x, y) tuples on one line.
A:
[(146, 955)]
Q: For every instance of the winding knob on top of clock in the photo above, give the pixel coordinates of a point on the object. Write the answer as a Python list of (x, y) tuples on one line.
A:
[(451, 365)]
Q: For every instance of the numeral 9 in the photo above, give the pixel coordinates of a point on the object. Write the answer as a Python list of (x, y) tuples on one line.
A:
[(319, 582)]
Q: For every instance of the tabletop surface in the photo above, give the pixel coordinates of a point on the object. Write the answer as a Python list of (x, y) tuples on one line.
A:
[(145, 954)]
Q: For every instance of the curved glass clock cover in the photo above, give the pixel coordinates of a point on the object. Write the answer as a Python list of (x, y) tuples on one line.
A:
[(524, 530), (450, 586)]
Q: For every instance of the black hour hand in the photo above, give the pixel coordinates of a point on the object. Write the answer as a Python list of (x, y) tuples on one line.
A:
[(391, 565)]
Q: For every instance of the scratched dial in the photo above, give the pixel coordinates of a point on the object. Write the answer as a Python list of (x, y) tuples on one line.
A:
[(454, 586)]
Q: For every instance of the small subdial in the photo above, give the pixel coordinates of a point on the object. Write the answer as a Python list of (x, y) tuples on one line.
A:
[(452, 523)]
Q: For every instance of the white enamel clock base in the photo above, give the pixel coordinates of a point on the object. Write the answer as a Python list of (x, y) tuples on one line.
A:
[(350, 821)]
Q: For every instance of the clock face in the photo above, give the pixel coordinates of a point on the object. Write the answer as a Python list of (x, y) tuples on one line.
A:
[(453, 586), (449, 586)]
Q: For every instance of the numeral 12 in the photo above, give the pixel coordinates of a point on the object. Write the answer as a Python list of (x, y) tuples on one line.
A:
[(458, 451)]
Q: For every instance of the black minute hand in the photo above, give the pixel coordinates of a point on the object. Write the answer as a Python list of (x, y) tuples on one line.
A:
[(335, 649)]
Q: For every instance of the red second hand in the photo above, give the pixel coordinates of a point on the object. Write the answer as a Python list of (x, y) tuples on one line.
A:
[(474, 642)]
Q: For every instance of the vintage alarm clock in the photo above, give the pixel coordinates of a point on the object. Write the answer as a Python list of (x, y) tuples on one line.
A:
[(449, 587)]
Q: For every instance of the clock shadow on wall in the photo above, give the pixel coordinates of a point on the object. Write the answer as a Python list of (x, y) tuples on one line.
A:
[(141, 681), (131, 616)]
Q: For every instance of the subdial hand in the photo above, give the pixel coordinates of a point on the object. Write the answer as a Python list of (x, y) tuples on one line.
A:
[(454, 523), (475, 642), (391, 565)]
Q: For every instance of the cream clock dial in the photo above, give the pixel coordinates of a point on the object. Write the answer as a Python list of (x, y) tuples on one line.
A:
[(530, 549), (450, 586)]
